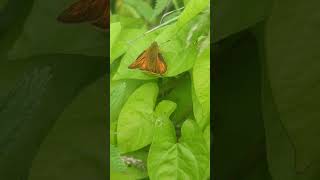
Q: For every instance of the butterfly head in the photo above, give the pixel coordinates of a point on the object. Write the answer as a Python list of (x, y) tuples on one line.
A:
[(154, 45)]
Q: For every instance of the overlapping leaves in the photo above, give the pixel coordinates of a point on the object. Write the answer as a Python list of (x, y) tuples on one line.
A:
[(142, 121)]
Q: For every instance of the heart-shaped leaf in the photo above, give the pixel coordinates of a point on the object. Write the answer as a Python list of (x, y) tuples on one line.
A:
[(186, 159)]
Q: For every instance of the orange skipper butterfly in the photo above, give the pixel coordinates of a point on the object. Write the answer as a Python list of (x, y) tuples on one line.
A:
[(94, 11), (150, 60)]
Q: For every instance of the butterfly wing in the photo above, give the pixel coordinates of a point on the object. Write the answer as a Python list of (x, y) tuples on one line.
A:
[(160, 65), (84, 10), (141, 62)]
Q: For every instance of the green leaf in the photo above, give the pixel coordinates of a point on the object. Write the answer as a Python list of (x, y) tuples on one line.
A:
[(122, 43), (186, 159), (135, 123), (142, 7), (164, 109), (178, 61), (180, 93), (127, 22), (125, 9), (119, 93), (193, 8), (114, 175), (137, 118), (43, 34), (201, 88), (115, 29)]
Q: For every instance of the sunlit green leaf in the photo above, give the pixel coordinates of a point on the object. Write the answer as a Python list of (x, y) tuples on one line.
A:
[(193, 8), (201, 88), (115, 29), (123, 42), (119, 92), (187, 158), (135, 122), (127, 22)]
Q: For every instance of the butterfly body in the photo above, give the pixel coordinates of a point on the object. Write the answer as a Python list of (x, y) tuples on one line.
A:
[(94, 11), (151, 61)]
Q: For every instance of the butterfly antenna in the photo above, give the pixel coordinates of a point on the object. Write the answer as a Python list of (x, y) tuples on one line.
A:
[(165, 42)]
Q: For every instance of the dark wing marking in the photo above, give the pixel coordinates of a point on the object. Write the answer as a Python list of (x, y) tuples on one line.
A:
[(103, 21), (161, 66)]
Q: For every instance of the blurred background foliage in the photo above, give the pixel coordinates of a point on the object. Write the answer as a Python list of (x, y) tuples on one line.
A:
[(53, 95), (266, 84)]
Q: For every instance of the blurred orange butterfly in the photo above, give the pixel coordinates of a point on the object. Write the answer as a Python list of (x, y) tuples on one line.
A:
[(94, 11), (150, 60)]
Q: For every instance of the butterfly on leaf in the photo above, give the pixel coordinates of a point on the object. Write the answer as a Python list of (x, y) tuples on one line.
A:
[(94, 11), (150, 60)]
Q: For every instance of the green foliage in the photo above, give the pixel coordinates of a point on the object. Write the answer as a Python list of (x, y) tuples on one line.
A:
[(141, 113), (115, 29), (52, 95), (31, 102), (266, 88), (160, 7), (143, 8), (76, 145), (186, 159), (201, 88), (121, 45), (193, 7)]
